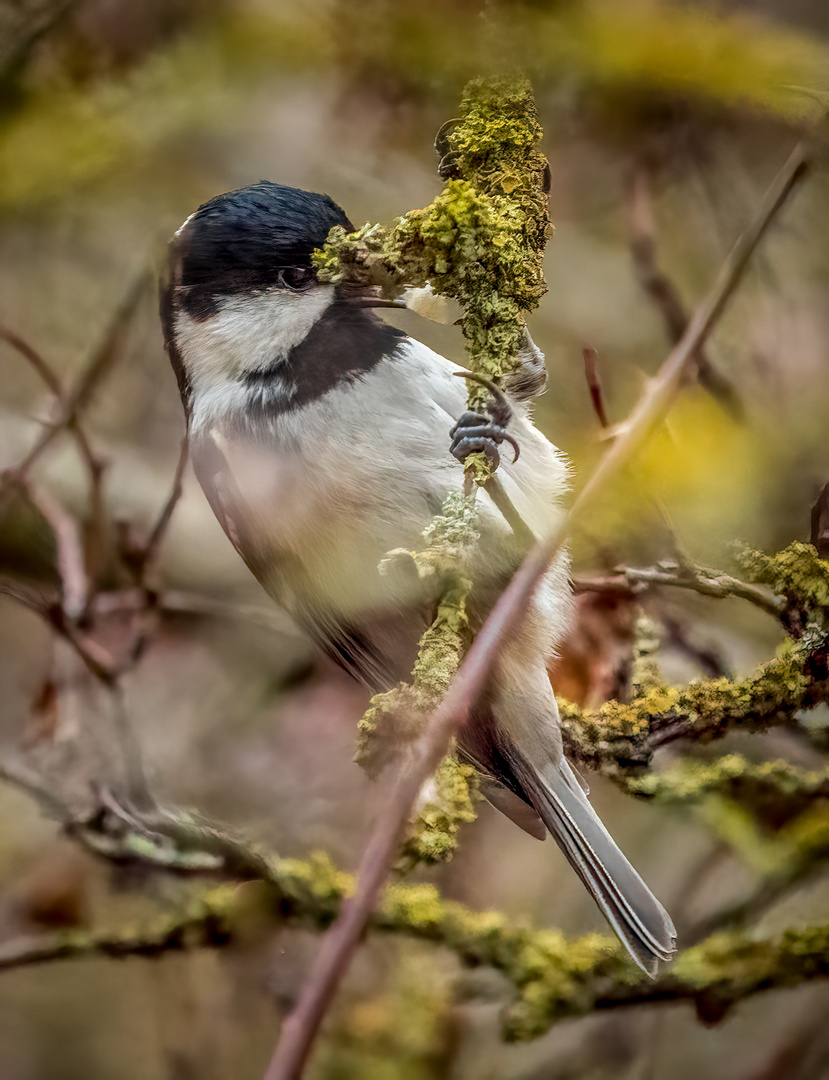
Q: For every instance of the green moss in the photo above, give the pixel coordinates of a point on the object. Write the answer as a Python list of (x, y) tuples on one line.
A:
[(552, 977), (481, 241), (362, 258), (616, 736), (776, 790), (434, 836), (799, 575)]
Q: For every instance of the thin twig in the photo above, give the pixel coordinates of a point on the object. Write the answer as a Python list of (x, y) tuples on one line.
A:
[(495, 489), (148, 555), (31, 784), (701, 579), (809, 860), (97, 366), (663, 292), (98, 660), (138, 790), (94, 465), (179, 602), (70, 557), (340, 943), (594, 384), (31, 354)]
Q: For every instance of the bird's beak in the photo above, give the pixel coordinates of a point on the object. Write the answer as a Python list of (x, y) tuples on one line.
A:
[(421, 300), (368, 296)]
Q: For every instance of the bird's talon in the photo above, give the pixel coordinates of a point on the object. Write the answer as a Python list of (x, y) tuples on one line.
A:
[(516, 449), (475, 433)]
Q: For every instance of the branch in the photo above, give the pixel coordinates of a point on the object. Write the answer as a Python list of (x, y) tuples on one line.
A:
[(94, 465), (713, 976), (206, 925), (664, 294), (70, 558), (701, 579), (181, 602), (553, 978), (97, 366), (340, 943), (618, 737), (776, 790), (18, 776), (151, 548)]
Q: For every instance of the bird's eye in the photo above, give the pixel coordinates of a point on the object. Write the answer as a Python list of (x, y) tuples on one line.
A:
[(296, 278)]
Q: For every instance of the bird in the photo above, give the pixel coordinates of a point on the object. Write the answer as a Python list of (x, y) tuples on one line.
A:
[(325, 438)]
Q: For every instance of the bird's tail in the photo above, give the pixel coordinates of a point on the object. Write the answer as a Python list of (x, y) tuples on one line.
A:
[(640, 921)]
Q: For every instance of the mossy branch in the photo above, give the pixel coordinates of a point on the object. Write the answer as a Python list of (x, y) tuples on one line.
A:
[(619, 737), (480, 242), (552, 977)]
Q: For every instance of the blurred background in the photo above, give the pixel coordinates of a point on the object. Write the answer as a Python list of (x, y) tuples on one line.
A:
[(663, 124)]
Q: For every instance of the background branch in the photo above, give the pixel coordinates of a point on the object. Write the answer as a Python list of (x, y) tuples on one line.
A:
[(701, 579)]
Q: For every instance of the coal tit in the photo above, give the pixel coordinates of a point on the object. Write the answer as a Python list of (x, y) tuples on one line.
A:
[(320, 435)]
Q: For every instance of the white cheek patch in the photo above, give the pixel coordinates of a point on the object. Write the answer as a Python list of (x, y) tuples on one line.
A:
[(247, 334)]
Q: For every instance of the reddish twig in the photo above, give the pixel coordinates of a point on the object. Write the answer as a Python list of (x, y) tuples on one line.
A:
[(156, 537), (340, 943), (70, 560), (55, 386), (594, 383), (103, 356)]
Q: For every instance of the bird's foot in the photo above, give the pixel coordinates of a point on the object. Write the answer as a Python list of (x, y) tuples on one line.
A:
[(476, 433)]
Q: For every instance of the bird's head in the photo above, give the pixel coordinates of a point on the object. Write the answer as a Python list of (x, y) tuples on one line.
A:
[(241, 291)]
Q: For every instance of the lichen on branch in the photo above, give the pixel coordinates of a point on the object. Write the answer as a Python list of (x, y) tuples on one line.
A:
[(552, 977), (481, 242), (619, 737)]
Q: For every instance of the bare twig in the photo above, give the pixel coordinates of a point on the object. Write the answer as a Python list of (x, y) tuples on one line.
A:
[(819, 536), (495, 489), (808, 859), (137, 787), (594, 384), (180, 602), (70, 559), (94, 465), (701, 579), (663, 292), (169, 841), (97, 659), (150, 552), (340, 943), (101, 359), (31, 784)]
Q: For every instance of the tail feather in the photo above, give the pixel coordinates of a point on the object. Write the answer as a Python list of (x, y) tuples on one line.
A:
[(637, 917)]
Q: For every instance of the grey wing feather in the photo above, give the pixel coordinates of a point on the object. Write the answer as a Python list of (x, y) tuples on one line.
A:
[(514, 808), (640, 921)]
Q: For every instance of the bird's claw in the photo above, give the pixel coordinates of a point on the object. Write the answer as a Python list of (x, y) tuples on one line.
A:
[(448, 166), (475, 433)]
